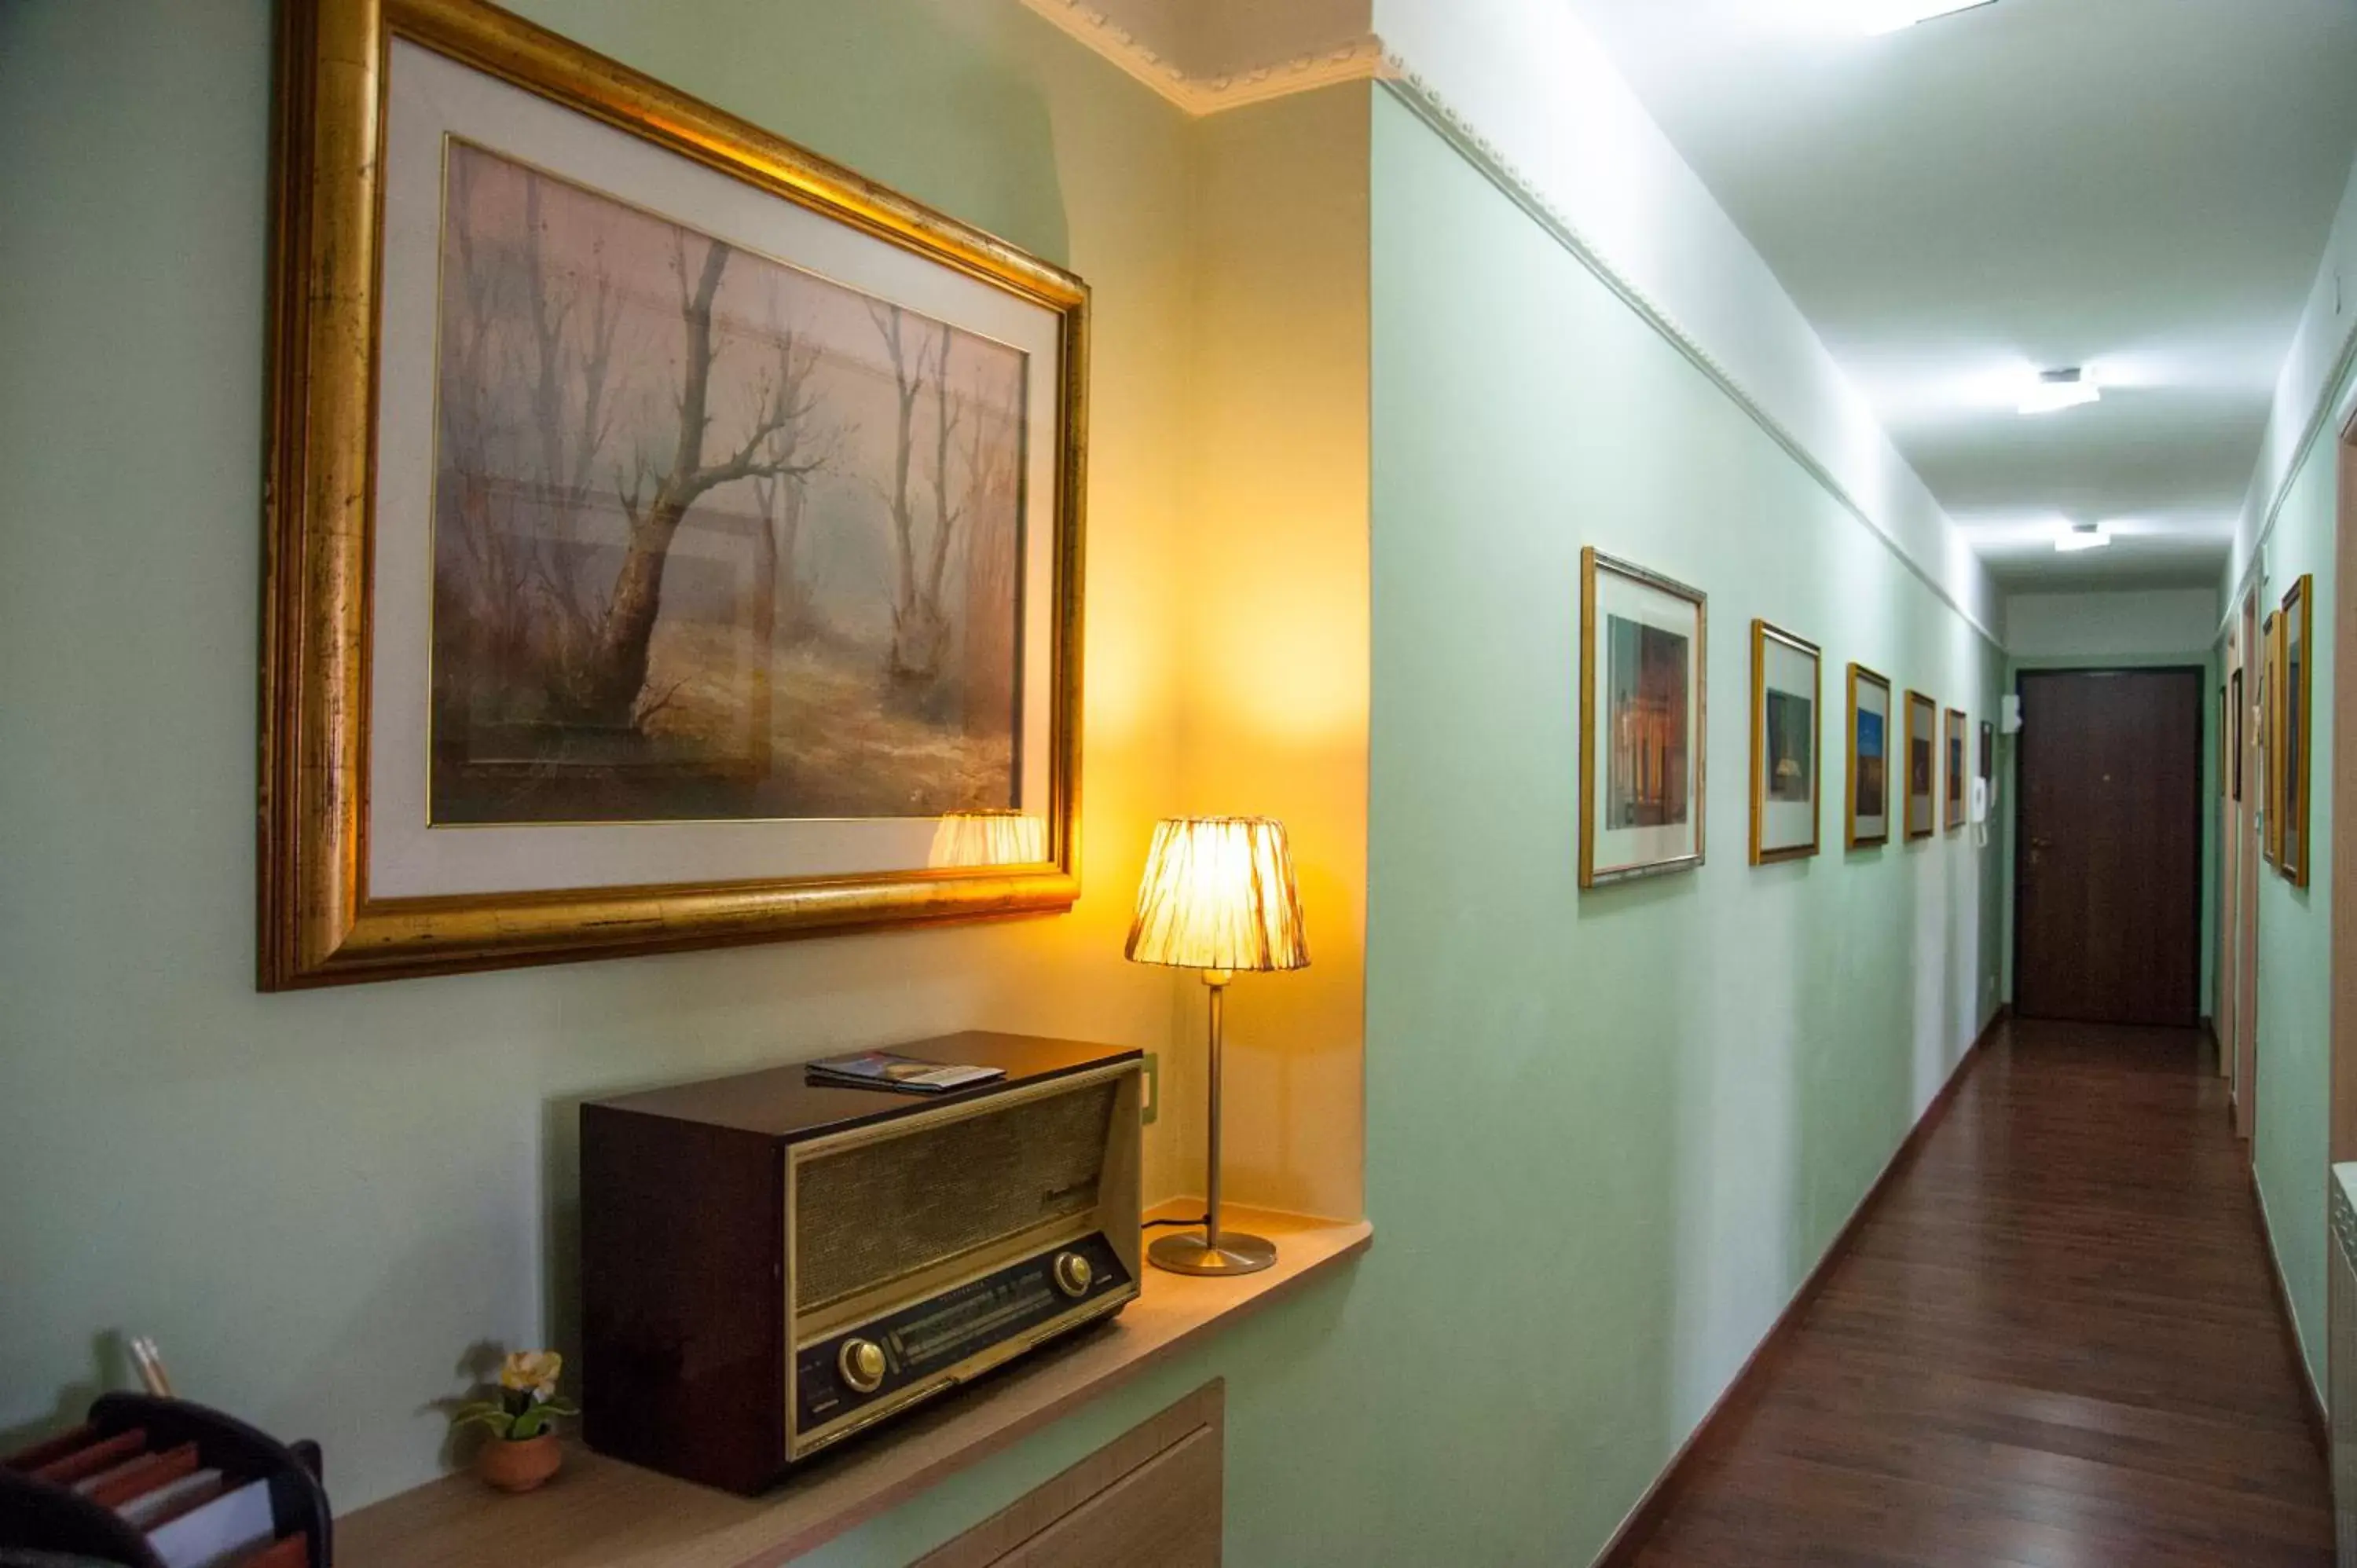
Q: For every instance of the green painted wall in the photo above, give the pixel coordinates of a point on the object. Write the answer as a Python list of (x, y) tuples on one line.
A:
[(2294, 1072), (1660, 1101), (1607, 1135)]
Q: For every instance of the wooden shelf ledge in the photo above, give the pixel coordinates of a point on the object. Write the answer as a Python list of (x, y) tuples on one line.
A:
[(602, 1513)]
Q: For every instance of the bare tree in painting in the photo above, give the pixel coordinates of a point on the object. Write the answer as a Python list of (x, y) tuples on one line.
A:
[(619, 636), (615, 678), (920, 622), (780, 596), (565, 475), (543, 393), (484, 509), (993, 493)]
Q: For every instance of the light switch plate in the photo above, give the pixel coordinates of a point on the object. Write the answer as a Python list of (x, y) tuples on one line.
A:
[(1150, 1095)]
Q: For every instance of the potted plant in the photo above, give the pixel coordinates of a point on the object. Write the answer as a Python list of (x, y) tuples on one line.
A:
[(522, 1452)]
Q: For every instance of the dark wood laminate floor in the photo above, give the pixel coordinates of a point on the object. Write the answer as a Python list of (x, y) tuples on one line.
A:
[(2053, 1345)]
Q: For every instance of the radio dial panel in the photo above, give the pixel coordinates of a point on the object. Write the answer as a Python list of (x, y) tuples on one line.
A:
[(919, 1344)]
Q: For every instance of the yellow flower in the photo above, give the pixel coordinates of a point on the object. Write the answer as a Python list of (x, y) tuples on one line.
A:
[(531, 1370)]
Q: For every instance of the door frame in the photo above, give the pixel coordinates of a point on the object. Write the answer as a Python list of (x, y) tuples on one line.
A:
[(2202, 744), (2340, 855), (2224, 1005), (2248, 861)]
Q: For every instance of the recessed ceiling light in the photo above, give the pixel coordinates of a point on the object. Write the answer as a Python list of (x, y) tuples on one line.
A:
[(2057, 390), (2081, 536), (1890, 15)]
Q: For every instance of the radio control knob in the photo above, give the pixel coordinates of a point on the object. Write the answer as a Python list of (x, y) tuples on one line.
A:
[(861, 1362), (1073, 1275)]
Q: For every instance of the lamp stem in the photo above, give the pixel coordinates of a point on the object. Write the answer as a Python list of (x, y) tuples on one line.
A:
[(1217, 979), (1216, 1251)]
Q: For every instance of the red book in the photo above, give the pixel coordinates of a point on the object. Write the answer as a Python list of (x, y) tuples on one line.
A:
[(48, 1448), (141, 1477), (103, 1454)]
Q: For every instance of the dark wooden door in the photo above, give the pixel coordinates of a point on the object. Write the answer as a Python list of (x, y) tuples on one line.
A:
[(2108, 848)]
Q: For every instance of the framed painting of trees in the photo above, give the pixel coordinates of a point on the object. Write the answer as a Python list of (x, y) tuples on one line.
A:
[(674, 538)]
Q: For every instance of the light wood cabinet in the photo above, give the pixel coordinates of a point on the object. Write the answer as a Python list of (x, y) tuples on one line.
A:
[(1150, 1498)]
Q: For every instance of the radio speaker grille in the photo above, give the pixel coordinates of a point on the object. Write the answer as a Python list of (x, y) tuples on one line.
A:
[(878, 1211)]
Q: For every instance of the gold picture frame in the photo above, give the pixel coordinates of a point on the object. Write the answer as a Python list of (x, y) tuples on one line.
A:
[(2295, 637), (320, 920), (2270, 772), (1766, 767), (1869, 775), (1663, 798), (1923, 728)]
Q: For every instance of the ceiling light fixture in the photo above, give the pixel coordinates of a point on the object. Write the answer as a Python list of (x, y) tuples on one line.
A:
[(1890, 15), (2081, 536), (2057, 390)]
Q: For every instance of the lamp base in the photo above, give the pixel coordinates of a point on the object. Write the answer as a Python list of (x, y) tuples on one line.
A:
[(1188, 1253)]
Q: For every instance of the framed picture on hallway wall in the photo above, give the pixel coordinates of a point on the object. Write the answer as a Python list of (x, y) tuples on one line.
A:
[(2225, 729), (1866, 795), (1641, 654), (2234, 710), (1923, 765), (674, 539), (2270, 682), (1786, 697), (2295, 631), (1953, 804)]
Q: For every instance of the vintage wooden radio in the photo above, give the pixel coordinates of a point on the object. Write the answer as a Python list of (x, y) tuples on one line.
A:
[(768, 1265)]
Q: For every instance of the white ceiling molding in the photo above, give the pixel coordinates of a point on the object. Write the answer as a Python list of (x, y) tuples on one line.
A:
[(1455, 129), (2312, 399), (1206, 55), (1527, 94)]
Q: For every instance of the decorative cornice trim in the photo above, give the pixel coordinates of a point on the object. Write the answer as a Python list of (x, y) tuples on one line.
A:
[(1361, 59), (1453, 127), (2319, 419)]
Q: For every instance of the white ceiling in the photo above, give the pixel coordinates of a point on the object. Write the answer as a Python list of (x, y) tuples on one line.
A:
[(2140, 186)]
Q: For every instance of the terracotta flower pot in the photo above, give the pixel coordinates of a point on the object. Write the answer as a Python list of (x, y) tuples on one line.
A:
[(519, 1466)]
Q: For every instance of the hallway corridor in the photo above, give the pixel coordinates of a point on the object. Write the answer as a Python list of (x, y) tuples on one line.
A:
[(2053, 1344)]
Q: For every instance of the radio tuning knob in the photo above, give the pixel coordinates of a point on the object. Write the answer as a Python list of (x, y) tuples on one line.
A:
[(861, 1362), (1074, 1275)]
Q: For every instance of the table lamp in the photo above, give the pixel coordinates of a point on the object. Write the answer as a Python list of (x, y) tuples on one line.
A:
[(1217, 896)]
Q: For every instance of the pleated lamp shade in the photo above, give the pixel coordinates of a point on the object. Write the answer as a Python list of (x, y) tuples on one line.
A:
[(1219, 894), (988, 838)]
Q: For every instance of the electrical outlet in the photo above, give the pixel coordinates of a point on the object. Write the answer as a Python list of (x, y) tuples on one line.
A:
[(1150, 1090)]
